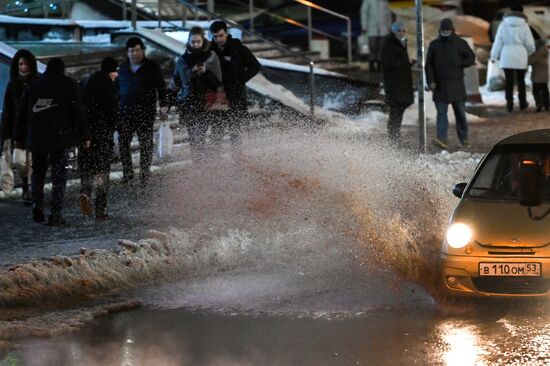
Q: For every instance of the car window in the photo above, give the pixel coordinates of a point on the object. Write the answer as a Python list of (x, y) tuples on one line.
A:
[(498, 177)]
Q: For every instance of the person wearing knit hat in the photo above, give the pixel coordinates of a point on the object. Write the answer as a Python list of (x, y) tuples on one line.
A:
[(448, 56), (398, 84), (109, 65), (513, 45), (99, 94), (375, 23)]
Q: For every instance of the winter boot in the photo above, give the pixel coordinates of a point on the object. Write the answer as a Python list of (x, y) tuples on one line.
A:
[(27, 195), (37, 213), (102, 217), (441, 143), (55, 219), (85, 204)]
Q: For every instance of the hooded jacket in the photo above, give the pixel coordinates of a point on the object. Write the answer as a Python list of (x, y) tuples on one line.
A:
[(99, 96), (100, 99), (238, 66), (513, 42), (51, 117), (191, 87), (445, 63)]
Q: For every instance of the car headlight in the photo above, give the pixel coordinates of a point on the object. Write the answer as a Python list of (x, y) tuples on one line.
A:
[(458, 235)]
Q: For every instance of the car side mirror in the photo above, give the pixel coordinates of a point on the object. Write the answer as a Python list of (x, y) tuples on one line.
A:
[(458, 189), (530, 183)]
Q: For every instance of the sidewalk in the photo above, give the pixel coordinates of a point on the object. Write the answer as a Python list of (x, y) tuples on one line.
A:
[(496, 125), (135, 212)]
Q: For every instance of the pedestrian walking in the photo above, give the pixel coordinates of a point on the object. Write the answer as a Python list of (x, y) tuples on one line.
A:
[(398, 84), (513, 44), (100, 99), (448, 56), (238, 66), (375, 23), (197, 72), (50, 120), (141, 85), (539, 75), (23, 70)]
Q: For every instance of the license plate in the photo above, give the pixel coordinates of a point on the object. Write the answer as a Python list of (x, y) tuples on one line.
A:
[(510, 269)]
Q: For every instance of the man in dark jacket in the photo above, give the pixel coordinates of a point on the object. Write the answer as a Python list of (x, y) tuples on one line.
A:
[(397, 78), (100, 99), (141, 84), (448, 56), (51, 120), (238, 66)]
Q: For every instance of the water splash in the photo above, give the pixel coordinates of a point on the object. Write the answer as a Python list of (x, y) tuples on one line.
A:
[(297, 223)]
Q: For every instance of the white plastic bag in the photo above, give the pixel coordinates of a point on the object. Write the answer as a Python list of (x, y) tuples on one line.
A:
[(495, 77), (165, 145), (20, 160), (363, 45), (7, 180)]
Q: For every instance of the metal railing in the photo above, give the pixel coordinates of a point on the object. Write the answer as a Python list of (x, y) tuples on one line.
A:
[(47, 7), (274, 44), (310, 6), (289, 21)]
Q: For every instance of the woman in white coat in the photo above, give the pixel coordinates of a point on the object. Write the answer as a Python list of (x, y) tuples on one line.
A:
[(513, 44)]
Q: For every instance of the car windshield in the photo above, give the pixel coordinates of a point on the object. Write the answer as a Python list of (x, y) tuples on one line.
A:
[(498, 177)]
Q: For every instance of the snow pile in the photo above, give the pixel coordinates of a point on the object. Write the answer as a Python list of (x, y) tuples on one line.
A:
[(161, 256)]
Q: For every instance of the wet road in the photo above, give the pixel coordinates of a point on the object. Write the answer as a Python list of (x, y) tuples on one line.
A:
[(306, 251), (481, 335)]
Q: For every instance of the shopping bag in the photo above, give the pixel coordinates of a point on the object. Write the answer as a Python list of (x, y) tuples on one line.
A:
[(7, 180), (363, 44), (495, 77), (216, 100), (165, 145), (19, 160)]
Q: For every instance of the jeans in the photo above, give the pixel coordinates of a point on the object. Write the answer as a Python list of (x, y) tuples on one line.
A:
[(443, 120), (58, 162), (143, 126), (520, 78)]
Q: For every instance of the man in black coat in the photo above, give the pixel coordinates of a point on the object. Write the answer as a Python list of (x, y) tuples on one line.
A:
[(448, 56), (51, 120), (397, 78), (238, 66), (100, 98), (141, 84)]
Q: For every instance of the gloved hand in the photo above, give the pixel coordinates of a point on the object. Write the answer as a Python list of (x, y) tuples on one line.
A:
[(432, 86)]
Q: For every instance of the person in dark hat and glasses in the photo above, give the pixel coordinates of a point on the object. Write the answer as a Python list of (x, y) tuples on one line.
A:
[(447, 57)]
